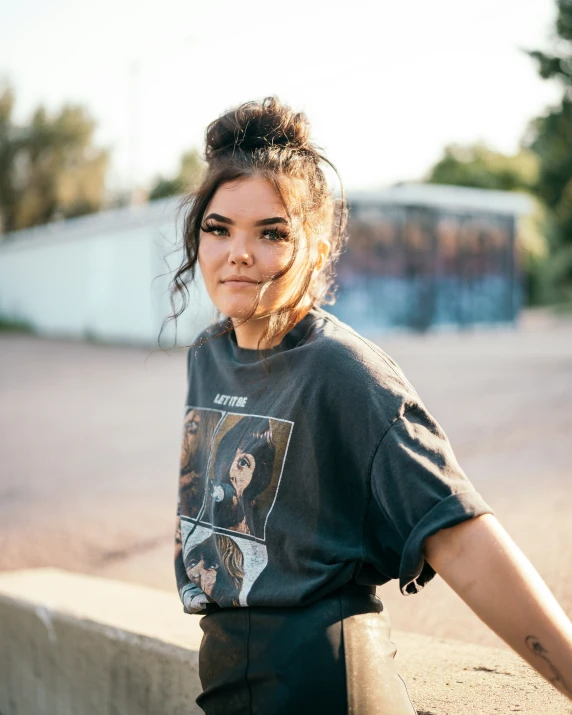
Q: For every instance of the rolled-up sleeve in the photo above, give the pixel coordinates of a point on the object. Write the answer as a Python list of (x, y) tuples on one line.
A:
[(417, 488)]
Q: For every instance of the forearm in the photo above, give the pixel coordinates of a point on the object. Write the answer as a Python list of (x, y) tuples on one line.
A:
[(484, 566)]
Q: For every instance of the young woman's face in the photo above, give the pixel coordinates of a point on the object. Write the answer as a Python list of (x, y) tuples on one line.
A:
[(245, 233), (203, 574), (241, 471)]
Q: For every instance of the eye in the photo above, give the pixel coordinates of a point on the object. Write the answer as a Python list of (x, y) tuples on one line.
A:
[(193, 563), (215, 228), (243, 462), (213, 566), (275, 234), (192, 427)]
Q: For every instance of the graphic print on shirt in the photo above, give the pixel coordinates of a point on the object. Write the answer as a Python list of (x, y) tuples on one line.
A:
[(224, 517), (198, 430)]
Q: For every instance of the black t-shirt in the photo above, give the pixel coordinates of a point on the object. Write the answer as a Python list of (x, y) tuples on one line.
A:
[(322, 468)]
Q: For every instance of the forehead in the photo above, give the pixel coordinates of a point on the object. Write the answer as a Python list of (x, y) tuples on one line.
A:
[(247, 200)]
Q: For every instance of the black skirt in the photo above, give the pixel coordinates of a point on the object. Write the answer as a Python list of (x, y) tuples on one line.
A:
[(334, 657)]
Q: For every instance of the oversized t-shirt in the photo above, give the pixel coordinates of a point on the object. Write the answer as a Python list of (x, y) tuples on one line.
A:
[(319, 468)]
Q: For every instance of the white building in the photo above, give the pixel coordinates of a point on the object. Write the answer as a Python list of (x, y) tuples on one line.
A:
[(104, 276)]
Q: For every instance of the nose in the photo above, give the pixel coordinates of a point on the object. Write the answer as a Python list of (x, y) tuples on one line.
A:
[(239, 253), (194, 573)]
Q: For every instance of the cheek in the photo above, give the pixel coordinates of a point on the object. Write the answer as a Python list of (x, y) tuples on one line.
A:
[(209, 578), (274, 258), (201, 257), (247, 477), (209, 256), (244, 479), (273, 262)]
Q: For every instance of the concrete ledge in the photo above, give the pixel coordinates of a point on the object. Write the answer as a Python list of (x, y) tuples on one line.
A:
[(72, 644)]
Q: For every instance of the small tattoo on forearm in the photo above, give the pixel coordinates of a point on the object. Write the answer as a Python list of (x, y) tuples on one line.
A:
[(538, 649)]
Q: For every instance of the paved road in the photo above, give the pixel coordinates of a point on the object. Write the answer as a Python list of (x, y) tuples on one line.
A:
[(89, 441)]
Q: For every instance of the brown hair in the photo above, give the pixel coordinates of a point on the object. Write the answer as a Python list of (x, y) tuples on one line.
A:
[(270, 140)]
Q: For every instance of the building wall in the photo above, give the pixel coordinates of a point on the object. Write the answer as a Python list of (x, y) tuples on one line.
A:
[(106, 285)]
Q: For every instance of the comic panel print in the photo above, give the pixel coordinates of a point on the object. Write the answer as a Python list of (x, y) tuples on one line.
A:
[(224, 567), (244, 473), (223, 522), (198, 431)]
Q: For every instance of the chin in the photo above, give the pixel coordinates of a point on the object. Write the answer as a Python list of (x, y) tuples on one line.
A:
[(235, 309), (240, 306)]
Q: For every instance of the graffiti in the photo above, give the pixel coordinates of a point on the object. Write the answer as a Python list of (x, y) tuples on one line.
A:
[(421, 268)]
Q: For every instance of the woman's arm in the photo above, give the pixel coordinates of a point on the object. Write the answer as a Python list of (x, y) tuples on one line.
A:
[(483, 565)]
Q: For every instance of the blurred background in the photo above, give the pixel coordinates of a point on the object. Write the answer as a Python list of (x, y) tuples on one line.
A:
[(451, 127)]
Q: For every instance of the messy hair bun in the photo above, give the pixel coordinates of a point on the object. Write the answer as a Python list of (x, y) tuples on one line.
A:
[(268, 139), (258, 125)]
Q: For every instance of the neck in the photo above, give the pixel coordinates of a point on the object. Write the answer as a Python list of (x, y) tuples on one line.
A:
[(249, 333)]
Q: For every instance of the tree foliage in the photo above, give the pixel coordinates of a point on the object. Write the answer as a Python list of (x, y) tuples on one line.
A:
[(550, 138), (49, 167), (558, 63), (479, 166), (191, 170)]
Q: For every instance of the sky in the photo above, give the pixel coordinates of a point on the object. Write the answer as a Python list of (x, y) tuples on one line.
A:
[(386, 86)]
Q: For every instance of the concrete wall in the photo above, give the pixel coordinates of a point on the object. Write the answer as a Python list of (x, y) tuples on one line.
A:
[(100, 277), (79, 645)]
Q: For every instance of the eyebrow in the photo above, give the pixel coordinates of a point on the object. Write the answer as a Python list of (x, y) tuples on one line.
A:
[(262, 222)]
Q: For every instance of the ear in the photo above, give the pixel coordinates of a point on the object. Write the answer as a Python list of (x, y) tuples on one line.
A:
[(323, 250)]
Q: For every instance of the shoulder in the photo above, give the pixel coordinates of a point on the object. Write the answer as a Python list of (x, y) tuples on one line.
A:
[(344, 347), (360, 367), (345, 342)]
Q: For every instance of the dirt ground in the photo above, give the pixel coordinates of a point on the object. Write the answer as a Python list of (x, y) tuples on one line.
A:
[(90, 434)]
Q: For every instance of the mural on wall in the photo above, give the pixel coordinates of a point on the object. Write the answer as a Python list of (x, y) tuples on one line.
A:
[(420, 267)]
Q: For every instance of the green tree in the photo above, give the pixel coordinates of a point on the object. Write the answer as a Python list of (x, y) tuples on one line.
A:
[(191, 171), (49, 167), (550, 137), (479, 166), (9, 142)]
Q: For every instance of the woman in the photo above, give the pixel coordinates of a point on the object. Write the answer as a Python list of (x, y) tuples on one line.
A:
[(243, 466), (216, 566), (367, 489)]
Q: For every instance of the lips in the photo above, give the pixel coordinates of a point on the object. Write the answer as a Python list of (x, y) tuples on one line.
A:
[(239, 279)]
